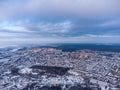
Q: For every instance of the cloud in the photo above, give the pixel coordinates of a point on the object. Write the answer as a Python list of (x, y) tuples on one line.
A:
[(15, 29), (71, 7), (63, 27), (37, 21), (48, 40), (59, 8), (12, 27), (111, 23)]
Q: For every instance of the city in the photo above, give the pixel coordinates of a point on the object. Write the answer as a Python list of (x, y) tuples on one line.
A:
[(37, 68)]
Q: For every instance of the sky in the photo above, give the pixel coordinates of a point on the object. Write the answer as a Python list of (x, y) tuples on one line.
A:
[(59, 21)]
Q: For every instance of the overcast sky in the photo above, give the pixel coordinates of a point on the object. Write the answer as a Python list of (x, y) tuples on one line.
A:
[(59, 21)]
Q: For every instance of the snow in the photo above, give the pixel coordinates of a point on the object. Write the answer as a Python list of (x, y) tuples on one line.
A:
[(25, 71)]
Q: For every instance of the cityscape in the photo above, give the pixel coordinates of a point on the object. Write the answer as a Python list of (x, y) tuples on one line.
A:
[(45, 68)]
